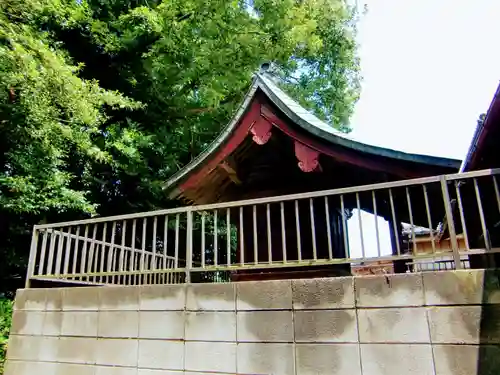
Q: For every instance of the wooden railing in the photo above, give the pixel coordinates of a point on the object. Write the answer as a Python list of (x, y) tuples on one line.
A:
[(214, 242)]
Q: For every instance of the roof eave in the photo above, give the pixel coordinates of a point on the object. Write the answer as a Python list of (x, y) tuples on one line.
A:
[(181, 173), (348, 143), (480, 134), (260, 83)]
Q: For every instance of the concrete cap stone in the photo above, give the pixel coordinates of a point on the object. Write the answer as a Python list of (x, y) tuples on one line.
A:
[(462, 287), (30, 299), (162, 297), (119, 298), (325, 293), (264, 295), (80, 299), (389, 290), (211, 297)]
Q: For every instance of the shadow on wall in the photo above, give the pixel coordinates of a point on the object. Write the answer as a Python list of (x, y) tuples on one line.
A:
[(488, 362), (467, 324)]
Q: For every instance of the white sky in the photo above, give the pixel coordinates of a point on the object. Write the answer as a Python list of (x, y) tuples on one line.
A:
[(430, 68)]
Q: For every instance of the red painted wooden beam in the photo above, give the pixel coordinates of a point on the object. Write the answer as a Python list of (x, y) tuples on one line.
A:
[(347, 157), (238, 136)]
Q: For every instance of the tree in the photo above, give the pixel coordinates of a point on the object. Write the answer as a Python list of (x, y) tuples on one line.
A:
[(103, 100), (50, 119)]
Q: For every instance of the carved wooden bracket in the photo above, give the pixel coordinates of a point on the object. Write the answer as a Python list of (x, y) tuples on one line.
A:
[(308, 158), (261, 131)]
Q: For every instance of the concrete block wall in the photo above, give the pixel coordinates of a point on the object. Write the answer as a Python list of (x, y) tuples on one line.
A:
[(439, 323)]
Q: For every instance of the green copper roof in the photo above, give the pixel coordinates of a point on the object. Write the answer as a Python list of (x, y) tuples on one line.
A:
[(308, 122)]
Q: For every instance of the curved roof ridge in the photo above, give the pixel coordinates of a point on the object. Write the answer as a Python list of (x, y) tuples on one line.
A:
[(314, 125), (219, 139), (308, 122)]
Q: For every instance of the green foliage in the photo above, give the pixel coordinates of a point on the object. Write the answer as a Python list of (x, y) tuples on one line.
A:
[(5, 322), (102, 100)]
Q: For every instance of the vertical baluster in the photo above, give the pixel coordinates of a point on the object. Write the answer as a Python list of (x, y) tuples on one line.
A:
[(114, 266), (429, 218), (145, 275), (497, 193), (228, 236), (52, 244), (360, 222), (269, 239), (203, 246), (344, 227), (313, 229), (412, 229), (481, 216), (67, 253), (242, 239), (59, 253), (131, 260), (83, 259), (161, 266), (189, 245), (32, 258), (111, 253), (41, 265), (75, 253), (462, 215), (91, 253), (96, 254), (165, 242), (255, 243), (99, 251), (170, 273), (176, 260), (450, 221), (375, 214), (394, 222), (216, 239), (121, 259), (283, 234), (133, 255), (103, 252), (328, 229), (152, 276), (297, 228), (143, 250)]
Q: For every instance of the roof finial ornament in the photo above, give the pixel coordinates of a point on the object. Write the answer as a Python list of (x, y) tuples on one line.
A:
[(270, 71), (265, 67)]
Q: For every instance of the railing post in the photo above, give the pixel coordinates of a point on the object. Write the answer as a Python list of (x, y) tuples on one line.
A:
[(32, 258), (451, 223), (189, 244)]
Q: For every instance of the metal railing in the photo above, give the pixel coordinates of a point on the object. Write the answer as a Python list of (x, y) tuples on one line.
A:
[(217, 241)]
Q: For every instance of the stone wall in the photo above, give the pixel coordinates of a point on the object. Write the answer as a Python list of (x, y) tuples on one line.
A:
[(440, 323)]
